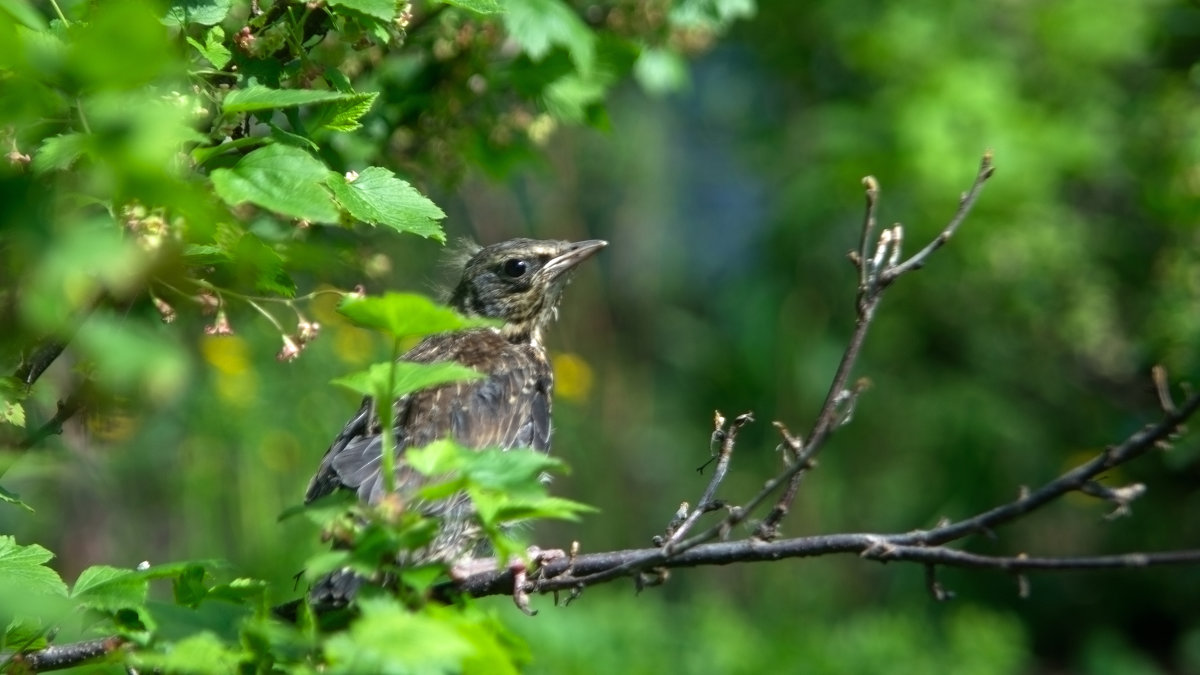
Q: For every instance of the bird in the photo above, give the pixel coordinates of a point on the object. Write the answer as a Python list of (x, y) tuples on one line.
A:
[(518, 282)]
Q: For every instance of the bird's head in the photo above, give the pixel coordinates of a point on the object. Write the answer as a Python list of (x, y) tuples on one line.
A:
[(520, 282)]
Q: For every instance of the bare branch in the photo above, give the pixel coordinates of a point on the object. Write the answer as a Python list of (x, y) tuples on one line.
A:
[(726, 436), (53, 426), (32, 367), (595, 568), (918, 260), (1132, 447)]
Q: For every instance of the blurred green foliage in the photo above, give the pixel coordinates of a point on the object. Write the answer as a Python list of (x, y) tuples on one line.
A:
[(210, 167)]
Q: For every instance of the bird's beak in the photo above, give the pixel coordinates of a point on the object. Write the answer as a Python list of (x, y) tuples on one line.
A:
[(572, 256)]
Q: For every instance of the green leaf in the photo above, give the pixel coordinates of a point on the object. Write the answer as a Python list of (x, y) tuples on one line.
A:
[(477, 6), (343, 114), (25, 633), (110, 588), (25, 13), (214, 48), (239, 590), (384, 10), (405, 377), (390, 639), (201, 654), (7, 497), (439, 457), (280, 178), (12, 413), (661, 71), (203, 12), (129, 356), (404, 315), (257, 97), (24, 567), (569, 97), (59, 152), (189, 588), (377, 197), (538, 25)]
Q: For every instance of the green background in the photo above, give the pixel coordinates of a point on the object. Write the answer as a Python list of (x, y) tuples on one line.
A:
[(1022, 349)]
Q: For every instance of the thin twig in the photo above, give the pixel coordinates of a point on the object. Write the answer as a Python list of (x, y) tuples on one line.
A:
[(53, 426), (728, 437), (870, 292), (918, 260), (919, 546)]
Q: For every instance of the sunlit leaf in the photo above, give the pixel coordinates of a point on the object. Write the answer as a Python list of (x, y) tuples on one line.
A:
[(257, 97), (478, 6), (343, 114), (538, 25), (661, 71), (203, 12), (280, 178), (110, 588), (214, 48), (200, 654), (390, 638), (11, 498), (59, 152), (404, 315), (24, 567), (376, 196), (393, 380), (384, 10)]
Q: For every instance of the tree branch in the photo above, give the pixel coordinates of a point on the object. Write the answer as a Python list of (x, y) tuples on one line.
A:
[(58, 657), (925, 547)]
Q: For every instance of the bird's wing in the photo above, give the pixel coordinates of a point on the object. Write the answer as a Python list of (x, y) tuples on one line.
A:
[(509, 408)]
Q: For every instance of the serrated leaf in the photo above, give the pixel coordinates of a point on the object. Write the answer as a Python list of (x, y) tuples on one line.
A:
[(568, 97), (389, 638), (214, 48), (201, 654), (26, 633), (189, 588), (404, 315), (377, 197), (477, 6), (239, 590), (508, 510), (257, 97), (110, 588), (7, 497), (439, 457), (24, 567), (203, 12), (384, 10), (343, 114), (538, 25), (12, 413), (25, 13), (59, 152), (281, 178), (405, 377)]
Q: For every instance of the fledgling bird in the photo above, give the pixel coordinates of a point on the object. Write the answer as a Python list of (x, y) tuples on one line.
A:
[(519, 282)]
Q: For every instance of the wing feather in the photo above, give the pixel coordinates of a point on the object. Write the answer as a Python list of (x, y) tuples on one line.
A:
[(509, 408)]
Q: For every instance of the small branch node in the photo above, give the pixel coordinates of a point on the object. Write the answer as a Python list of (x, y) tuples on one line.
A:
[(939, 592), (878, 549), (1163, 388), (1121, 496)]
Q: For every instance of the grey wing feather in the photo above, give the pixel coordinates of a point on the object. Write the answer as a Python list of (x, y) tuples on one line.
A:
[(510, 408)]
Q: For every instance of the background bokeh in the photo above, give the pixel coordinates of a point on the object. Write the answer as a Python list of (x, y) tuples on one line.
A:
[(1024, 347)]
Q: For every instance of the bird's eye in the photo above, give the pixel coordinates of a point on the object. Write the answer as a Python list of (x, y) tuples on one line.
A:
[(515, 267)]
